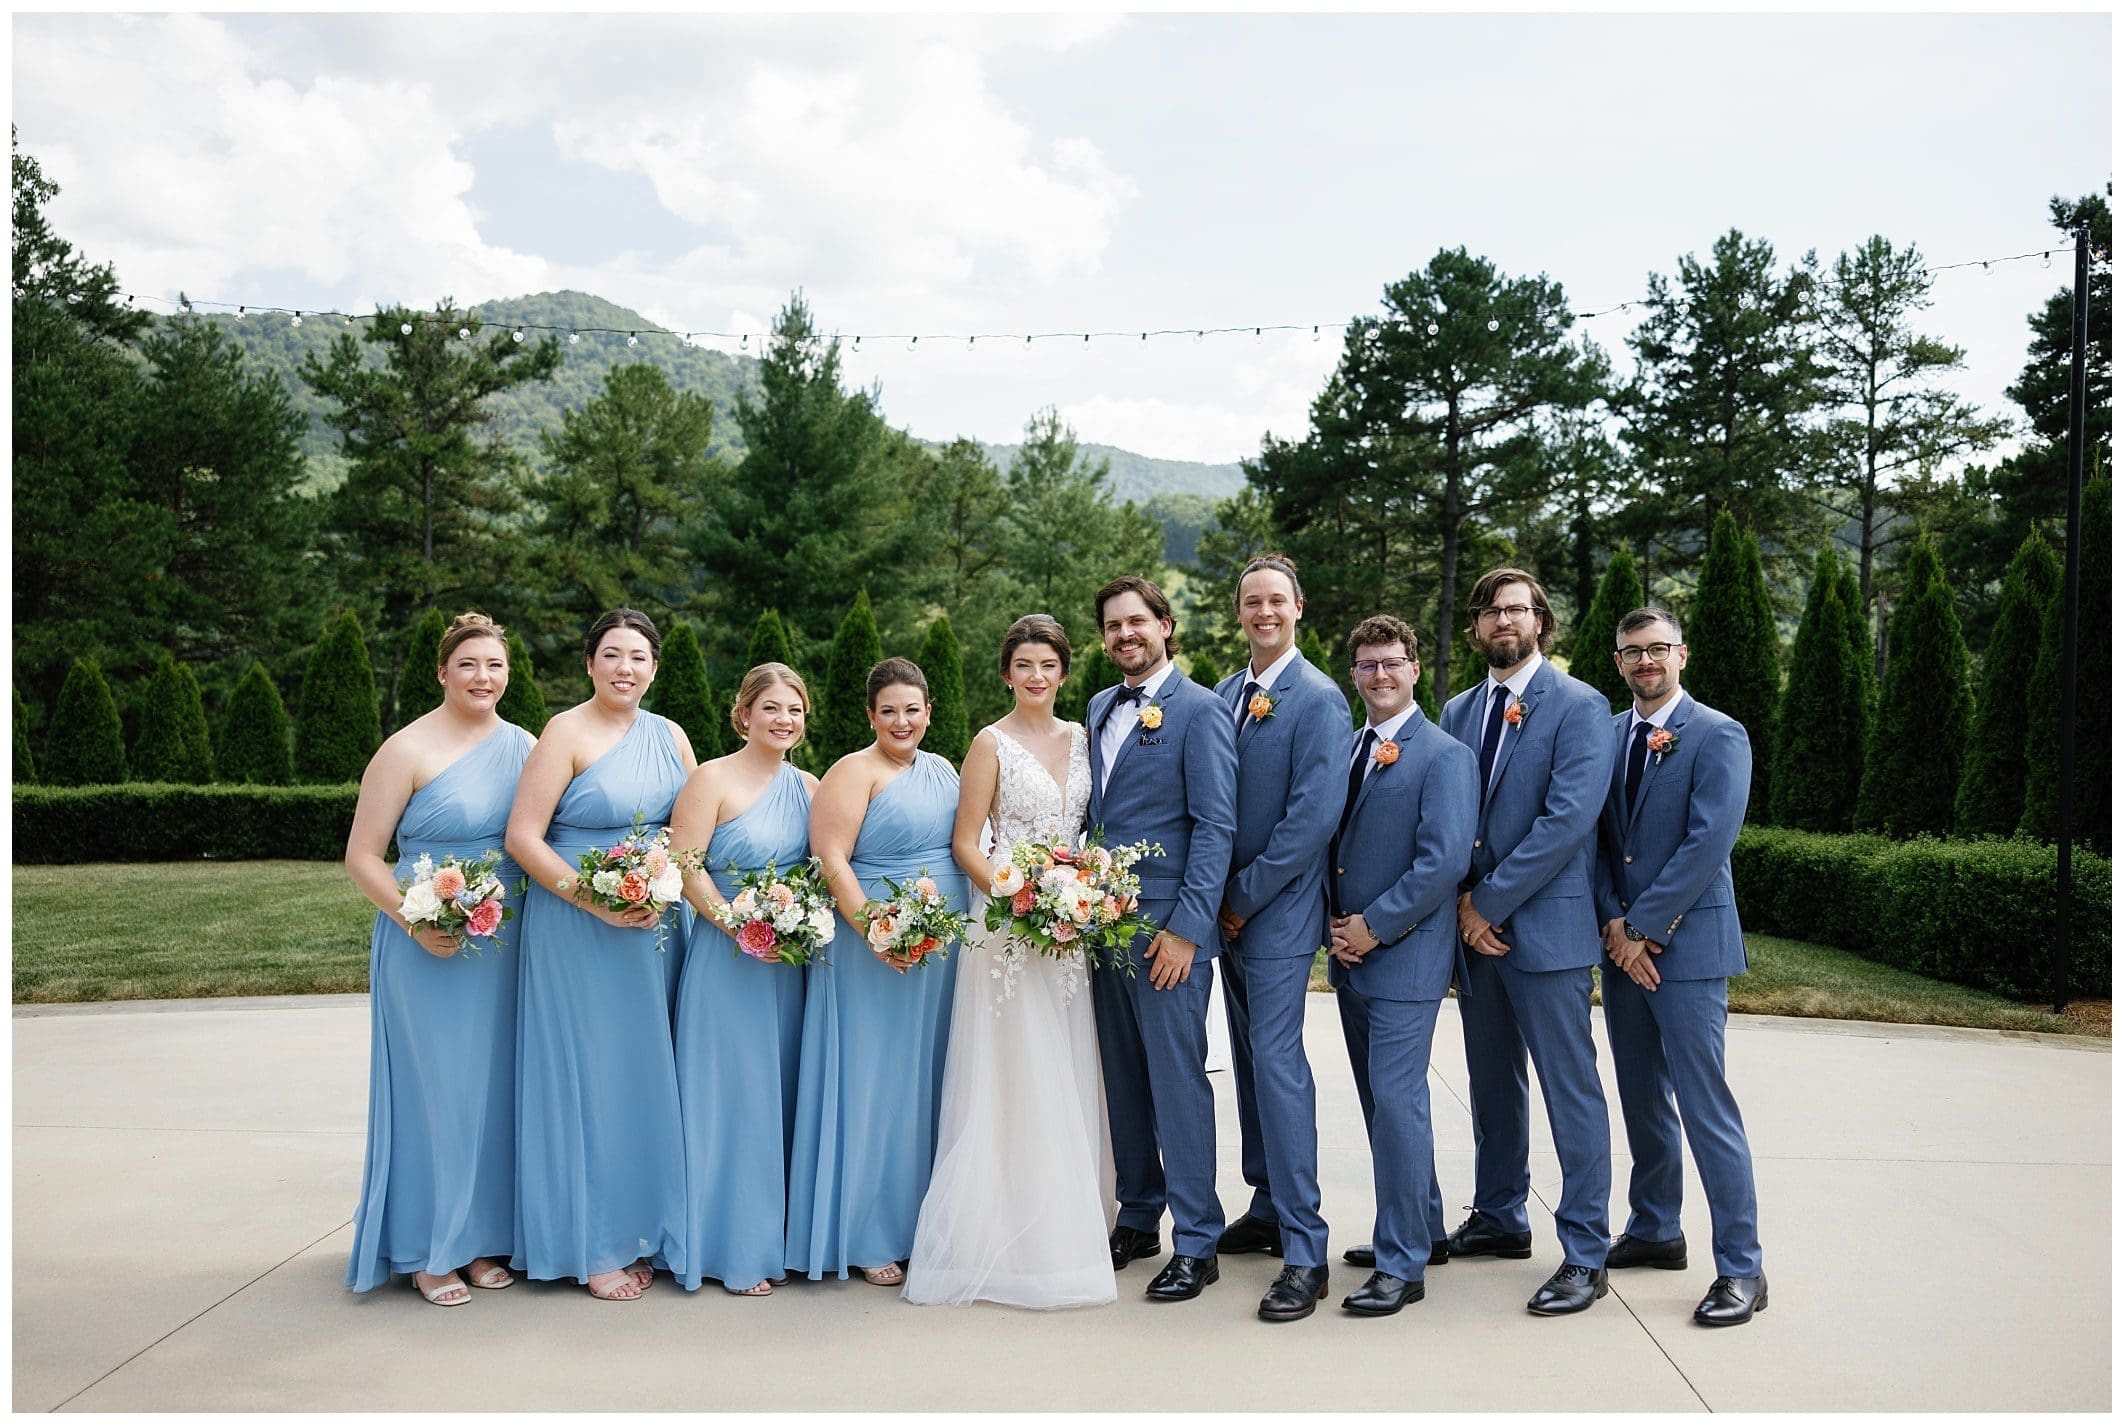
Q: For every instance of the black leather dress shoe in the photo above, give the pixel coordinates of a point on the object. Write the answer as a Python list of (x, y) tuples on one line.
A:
[(1480, 1237), (1628, 1251), (1733, 1301), (1362, 1254), (1382, 1295), (1129, 1243), (1571, 1289), (1182, 1279), (1251, 1234), (1294, 1293)]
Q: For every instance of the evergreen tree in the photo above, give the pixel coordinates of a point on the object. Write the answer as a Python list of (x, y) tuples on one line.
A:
[(521, 702), (681, 690), (1994, 790), (193, 710), (1593, 641), (770, 643), (1199, 669), (842, 723), (168, 746), (336, 727), (943, 663), (1914, 764), (418, 691), (1426, 698), (1313, 652), (86, 746), (1865, 685), (1473, 666), (718, 737), (254, 734), (1733, 648), (2090, 737), (25, 769), (1820, 712)]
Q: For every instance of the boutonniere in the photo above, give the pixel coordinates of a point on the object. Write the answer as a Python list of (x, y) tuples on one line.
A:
[(1515, 711), (1151, 716), (1659, 744), (1386, 754), (1261, 707)]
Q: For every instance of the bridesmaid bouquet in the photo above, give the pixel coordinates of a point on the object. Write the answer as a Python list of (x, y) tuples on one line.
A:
[(639, 871), (913, 922), (782, 917), (1058, 900), (461, 896)]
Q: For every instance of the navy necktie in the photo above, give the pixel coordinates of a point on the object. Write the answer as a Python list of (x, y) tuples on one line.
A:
[(1349, 804), (1493, 734), (1640, 743), (1245, 698)]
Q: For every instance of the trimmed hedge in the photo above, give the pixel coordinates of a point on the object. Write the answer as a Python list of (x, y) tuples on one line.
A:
[(1977, 913), (167, 821)]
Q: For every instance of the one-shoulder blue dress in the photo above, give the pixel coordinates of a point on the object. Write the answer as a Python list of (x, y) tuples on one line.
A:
[(740, 1022), (439, 1182), (871, 1068), (600, 1170)]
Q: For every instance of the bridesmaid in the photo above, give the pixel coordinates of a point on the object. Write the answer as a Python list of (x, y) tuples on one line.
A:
[(740, 1020), (439, 1185), (600, 1173), (872, 1061)]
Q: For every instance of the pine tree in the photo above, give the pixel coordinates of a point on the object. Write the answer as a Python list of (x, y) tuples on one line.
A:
[(418, 692), (1994, 789), (681, 690), (770, 643), (521, 702), (1200, 671), (254, 734), (943, 662), (2090, 738), (1733, 648), (1808, 787), (1865, 686), (1312, 651), (1914, 765), (165, 748), (25, 770), (86, 746), (336, 727), (843, 724), (1593, 641)]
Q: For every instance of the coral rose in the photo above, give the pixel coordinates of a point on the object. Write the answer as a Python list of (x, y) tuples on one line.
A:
[(1022, 902), (1386, 754), (757, 939), (634, 888), (484, 919), (922, 947)]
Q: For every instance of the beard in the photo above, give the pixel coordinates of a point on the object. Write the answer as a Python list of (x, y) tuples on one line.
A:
[(1506, 649)]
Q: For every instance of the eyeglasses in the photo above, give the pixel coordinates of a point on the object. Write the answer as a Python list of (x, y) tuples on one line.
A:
[(1496, 613), (1657, 652), (1384, 665)]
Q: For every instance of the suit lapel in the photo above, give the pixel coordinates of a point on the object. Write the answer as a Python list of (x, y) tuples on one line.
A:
[(1096, 713), (1128, 744), (1675, 720), (1371, 780), (1513, 736), (1619, 783)]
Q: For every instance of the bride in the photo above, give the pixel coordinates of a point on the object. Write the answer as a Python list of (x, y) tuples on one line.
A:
[(1021, 1196)]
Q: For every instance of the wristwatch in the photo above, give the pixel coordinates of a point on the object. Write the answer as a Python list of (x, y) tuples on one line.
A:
[(1631, 932)]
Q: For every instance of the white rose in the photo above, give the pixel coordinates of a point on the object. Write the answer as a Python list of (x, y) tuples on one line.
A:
[(421, 902), (1059, 878), (668, 887), (881, 932), (1007, 881), (744, 903), (605, 882), (821, 924)]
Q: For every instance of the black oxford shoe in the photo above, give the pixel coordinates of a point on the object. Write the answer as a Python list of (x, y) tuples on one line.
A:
[(1182, 1279), (1480, 1237), (1628, 1251), (1294, 1294), (1382, 1295), (1733, 1301), (1362, 1254), (1128, 1243), (1571, 1289), (1251, 1234)]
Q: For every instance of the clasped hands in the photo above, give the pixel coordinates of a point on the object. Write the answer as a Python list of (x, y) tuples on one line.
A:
[(1350, 938), (1478, 934), (1632, 957)]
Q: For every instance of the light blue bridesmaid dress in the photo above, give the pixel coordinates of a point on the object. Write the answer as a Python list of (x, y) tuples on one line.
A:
[(871, 1068), (600, 1171), (439, 1183), (739, 1024)]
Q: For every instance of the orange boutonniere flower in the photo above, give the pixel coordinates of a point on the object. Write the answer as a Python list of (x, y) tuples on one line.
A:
[(1386, 754), (1151, 716), (1659, 744), (1261, 707), (1515, 711)]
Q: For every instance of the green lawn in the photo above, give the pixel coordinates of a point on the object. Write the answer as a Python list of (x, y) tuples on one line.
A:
[(196, 929)]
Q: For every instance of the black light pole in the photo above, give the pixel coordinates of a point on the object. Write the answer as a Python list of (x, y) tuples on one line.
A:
[(2075, 448)]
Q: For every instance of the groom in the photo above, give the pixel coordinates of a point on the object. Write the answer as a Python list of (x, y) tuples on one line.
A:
[(1165, 770)]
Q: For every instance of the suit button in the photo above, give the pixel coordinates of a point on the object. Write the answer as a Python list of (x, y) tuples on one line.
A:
[(1342, 870), (1628, 859), (1478, 843)]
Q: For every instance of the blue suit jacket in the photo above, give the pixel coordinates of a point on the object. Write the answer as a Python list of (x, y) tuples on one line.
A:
[(1173, 785), (1291, 777), (1402, 859), (1531, 866), (1666, 862)]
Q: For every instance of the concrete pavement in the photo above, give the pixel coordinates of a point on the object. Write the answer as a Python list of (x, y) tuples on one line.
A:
[(1935, 1215)]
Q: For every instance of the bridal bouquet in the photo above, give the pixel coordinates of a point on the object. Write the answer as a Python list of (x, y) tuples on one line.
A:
[(913, 922), (1057, 899), (782, 917), (638, 871), (461, 896)]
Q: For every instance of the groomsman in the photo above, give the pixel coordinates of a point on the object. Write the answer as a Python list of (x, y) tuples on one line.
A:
[(1163, 768), (1291, 724), (1408, 815), (1543, 757), (1664, 882)]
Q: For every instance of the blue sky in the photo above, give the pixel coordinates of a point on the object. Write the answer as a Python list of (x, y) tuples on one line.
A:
[(1014, 173)]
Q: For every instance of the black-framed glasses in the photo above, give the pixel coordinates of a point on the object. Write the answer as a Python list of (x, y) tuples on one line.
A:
[(1638, 653), (1497, 612), (1370, 666)]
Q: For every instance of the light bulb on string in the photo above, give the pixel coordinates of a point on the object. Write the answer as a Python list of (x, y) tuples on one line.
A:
[(745, 341), (574, 337), (1198, 338), (911, 342), (969, 343), (296, 320), (464, 333), (1493, 324), (1316, 333), (405, 328), (516, 336), (633, 340), (2046, 259), (239, 314)]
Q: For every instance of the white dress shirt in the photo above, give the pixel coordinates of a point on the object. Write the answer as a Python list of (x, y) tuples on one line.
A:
[(1121, 726), (1267, 679), (1381, 732)]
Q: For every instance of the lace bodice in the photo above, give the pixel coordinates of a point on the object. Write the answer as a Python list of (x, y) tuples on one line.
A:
[(1028, 805)]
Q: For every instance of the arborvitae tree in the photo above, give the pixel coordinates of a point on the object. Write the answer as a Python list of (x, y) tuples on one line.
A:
[(943, 661), (1089, 671), (1865, 688), (166, 748), (254, 734), (681, 690), (86, 746), (842, 724), (521, 702), (2090, 738), (1994, 790), (1199, 669), (418, 692), (192, 713), (336, 729), (1473, 666), (25, 771), (1733, 648), (1426, 698), (770, 643), (1593, 641), (718, 736), (1819, 712), (1914, 765)]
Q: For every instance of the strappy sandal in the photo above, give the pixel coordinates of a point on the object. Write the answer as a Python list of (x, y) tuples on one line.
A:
[(487, 1280), (757, 1289), (434, 1294), (643, 1274), (891, 1274), (624, 1289)]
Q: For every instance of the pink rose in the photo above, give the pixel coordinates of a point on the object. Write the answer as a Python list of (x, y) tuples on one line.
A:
[(757, 939), (1022, 902), (634, 888), (449, 883), (485, 917)]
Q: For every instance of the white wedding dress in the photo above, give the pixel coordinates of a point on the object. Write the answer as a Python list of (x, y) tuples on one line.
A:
[(1020, 1200)]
